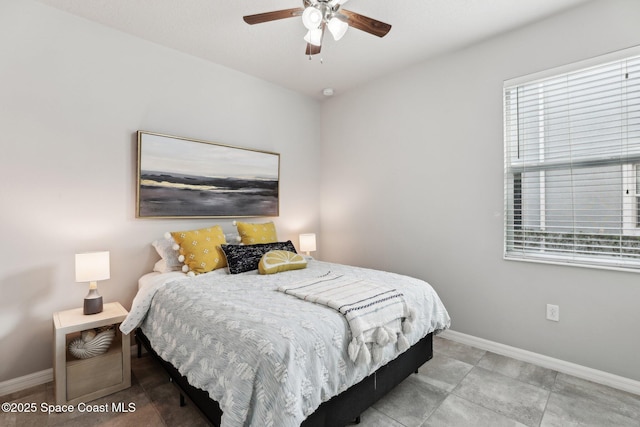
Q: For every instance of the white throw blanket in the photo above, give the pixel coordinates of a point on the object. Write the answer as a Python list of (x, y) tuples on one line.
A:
[(378, 315)]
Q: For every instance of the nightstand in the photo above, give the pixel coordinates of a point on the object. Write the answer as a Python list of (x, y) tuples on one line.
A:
[(82, 380)]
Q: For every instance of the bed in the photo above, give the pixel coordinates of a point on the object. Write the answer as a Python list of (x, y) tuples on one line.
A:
[(249, 355)]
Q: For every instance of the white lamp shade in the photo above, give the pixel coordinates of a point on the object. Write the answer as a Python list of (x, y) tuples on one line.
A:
[(314, 37), (311, 18), (308, 242), (337, 27), (92, 266)]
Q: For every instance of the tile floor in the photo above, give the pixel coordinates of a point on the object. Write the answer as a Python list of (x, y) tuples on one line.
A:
[(460, 386)]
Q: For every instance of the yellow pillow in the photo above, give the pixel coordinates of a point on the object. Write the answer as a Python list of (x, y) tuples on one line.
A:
[(278, 261), (251, 233), (200, 249)]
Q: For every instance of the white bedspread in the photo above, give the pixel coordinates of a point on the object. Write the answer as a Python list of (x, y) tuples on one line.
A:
[(267, 358)]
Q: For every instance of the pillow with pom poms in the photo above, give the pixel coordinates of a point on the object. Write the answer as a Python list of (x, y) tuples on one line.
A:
[(200, 249)]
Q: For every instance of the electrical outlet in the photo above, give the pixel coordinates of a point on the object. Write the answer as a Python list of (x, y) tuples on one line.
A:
[(553, 312)]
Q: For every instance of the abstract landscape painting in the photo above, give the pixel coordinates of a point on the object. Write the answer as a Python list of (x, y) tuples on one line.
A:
[(180, 177)]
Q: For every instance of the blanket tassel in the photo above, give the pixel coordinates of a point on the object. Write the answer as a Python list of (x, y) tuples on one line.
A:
[(382, 336), (365, 355), (376, 353), (354, 349), (407, 322), (403, 343), (359, 352)]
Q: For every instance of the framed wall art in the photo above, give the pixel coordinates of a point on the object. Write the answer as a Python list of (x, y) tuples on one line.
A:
[(180, 177)]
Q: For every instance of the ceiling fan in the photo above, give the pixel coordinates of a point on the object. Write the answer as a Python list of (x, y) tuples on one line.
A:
[(318, 15)]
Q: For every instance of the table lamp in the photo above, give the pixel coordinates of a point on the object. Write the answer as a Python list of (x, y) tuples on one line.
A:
[(91, 267), (308, 242)]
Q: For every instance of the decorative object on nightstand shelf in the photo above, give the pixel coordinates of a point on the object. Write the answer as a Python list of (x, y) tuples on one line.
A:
[(91, 267), (92, 342), (308, 242)]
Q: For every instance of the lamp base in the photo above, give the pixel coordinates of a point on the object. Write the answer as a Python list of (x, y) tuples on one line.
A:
[(93, 302)]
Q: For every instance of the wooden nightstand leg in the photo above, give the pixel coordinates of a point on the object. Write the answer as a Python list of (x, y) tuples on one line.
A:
[(60, 367), (126, 358)]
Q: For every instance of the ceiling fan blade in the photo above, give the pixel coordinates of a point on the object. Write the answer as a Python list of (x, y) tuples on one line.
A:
[(312, 49), (273, 16), (369, 25)]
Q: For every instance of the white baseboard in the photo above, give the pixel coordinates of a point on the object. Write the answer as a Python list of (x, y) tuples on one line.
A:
[(22, 383), (600, 377)]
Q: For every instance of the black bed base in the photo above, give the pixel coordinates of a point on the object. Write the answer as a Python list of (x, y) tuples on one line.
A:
[(341, 410)]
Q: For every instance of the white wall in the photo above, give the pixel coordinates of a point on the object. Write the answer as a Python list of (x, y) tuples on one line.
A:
[(412, 181), (72, 95)]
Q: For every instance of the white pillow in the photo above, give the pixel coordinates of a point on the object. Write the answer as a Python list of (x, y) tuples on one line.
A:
[(168, 256)]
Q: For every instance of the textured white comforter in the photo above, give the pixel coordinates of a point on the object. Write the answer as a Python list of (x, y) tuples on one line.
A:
[(267, 358)]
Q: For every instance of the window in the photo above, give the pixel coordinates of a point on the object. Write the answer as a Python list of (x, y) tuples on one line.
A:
[(572, 164)]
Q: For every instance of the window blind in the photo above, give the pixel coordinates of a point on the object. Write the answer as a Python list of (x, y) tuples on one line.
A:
[(572, 156)]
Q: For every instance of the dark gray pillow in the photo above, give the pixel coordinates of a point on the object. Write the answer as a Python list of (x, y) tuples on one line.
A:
[(241, 258)]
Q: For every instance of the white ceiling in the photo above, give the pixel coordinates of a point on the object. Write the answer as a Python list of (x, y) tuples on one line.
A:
[(274, 51)]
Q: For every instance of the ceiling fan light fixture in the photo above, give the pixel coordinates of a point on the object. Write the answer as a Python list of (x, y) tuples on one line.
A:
[(311, 18), (338, 27), (314, 37)]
